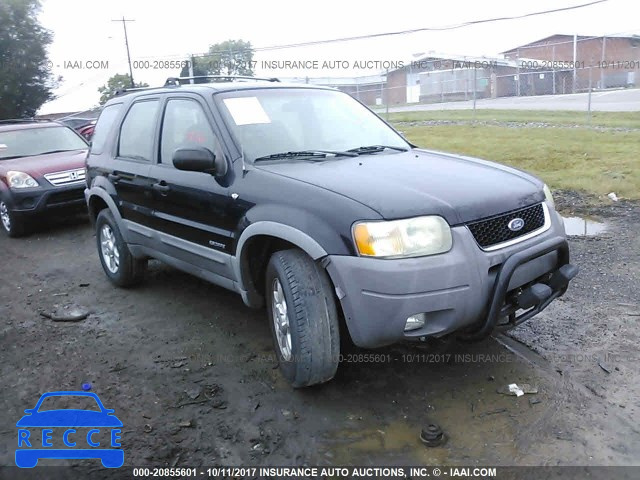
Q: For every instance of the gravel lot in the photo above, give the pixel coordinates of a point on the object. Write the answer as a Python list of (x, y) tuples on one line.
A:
[(190, 371)]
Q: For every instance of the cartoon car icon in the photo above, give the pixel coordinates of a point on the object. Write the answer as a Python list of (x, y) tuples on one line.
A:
[(70, 423)]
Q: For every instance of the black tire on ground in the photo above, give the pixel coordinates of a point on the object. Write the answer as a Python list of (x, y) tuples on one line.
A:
[(312, 318), (127, 271), (10, 224)]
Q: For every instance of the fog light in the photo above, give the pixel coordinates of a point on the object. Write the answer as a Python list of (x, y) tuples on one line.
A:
[(414, 322), (27, 203)]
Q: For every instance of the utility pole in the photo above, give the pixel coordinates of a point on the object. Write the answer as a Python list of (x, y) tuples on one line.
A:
[(602, 62), (191, 60), (475, 83), (575, 59), (553, 68), (589, 100), (126, 42), (518, 72), (387, 94)]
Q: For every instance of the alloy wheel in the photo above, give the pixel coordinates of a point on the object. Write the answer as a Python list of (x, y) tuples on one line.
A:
[(110, 251), (4, 216), (281, 319)]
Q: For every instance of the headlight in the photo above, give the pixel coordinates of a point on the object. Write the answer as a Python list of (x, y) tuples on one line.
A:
[(20, 180), (549, 197), (412, 237)]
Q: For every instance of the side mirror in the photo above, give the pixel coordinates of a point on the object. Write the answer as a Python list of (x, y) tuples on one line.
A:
[(199, 159)]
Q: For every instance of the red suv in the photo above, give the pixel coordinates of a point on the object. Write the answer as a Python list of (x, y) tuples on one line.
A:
[(41, 171)]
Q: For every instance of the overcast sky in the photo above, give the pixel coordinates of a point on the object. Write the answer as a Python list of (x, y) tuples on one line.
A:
[(83, 31)]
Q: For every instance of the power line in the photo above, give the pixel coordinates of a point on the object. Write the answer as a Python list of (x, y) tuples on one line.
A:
[(415, 30), (385, 34), (377, 35), (70, 90)]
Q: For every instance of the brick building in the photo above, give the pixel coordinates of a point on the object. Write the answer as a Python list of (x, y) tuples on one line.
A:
[(603, 62)]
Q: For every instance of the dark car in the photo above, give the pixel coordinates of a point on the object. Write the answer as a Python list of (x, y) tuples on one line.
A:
[(76, 122), (87, 130), (41, 172), (301, 198)]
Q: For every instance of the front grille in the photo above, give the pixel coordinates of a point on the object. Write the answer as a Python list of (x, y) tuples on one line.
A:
[(494, 230), (65, 197), (69, 177)]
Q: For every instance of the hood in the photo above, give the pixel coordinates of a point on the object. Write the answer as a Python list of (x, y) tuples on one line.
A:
[(69, 418), (39, 165), (420, 182)]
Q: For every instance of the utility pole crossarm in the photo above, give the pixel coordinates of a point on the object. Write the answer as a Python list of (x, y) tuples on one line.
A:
[(126, 42)]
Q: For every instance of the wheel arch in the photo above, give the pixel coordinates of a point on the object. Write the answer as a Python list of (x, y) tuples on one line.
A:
[(97, 200), (254, 248)]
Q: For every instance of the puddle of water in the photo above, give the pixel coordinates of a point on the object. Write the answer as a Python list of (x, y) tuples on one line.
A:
[(583, 227), (393, 440)]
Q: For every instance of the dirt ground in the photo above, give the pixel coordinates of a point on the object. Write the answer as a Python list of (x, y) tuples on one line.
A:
[(191, 374)]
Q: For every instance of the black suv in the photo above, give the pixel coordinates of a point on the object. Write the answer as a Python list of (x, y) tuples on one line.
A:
[(302, 199)]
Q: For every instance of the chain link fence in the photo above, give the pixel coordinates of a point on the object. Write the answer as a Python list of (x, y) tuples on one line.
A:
[(461, 83), (471, 84)]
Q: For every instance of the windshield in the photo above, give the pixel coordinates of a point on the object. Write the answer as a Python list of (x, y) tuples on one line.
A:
[(26, 142), (278, 120)]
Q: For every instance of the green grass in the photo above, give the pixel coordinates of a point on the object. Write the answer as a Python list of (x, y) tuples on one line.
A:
[(604, 119), (580, 159)]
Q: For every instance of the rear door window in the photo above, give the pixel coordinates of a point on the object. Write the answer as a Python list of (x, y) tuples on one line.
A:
[(138, 131)]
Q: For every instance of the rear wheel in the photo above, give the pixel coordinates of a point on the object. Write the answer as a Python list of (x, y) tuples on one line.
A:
[(122, 268), (303, 318), (11, 225)]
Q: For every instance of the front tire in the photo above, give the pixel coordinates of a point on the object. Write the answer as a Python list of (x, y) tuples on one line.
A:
[(122, 268), (303, 318), (12, 226)]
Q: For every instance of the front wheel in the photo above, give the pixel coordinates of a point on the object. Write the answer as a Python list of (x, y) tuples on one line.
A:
[(122, 268), (14, 227), (303, 318)]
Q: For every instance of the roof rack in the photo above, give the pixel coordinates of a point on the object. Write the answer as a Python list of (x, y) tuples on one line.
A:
[(123, 91), (175, 81), (26, 120)]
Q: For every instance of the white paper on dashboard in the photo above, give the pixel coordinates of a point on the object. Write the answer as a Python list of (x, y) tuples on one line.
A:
[(246, 110)]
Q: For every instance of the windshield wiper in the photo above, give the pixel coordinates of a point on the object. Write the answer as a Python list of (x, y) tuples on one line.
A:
[(375, 149), (13, 157), (314, 155)]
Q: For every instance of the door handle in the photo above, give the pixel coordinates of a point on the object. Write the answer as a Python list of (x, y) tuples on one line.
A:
[(161, 187)]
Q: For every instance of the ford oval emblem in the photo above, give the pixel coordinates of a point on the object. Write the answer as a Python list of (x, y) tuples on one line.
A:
[(516, 224)]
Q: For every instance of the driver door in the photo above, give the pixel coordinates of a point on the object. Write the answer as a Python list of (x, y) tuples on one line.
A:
[(191, 209)]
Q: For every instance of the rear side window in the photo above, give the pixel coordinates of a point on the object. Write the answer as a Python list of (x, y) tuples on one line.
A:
[(103, 127), (137, 132)]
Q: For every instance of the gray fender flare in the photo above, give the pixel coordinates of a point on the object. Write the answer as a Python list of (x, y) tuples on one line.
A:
[(273, 229), (104, 195)]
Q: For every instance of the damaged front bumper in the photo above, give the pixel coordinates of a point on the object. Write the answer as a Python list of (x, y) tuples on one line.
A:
[(467, 290)]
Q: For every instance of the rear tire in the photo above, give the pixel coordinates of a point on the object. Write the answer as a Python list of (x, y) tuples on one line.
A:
[(12, 226), (303, 318), (122, 268)]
